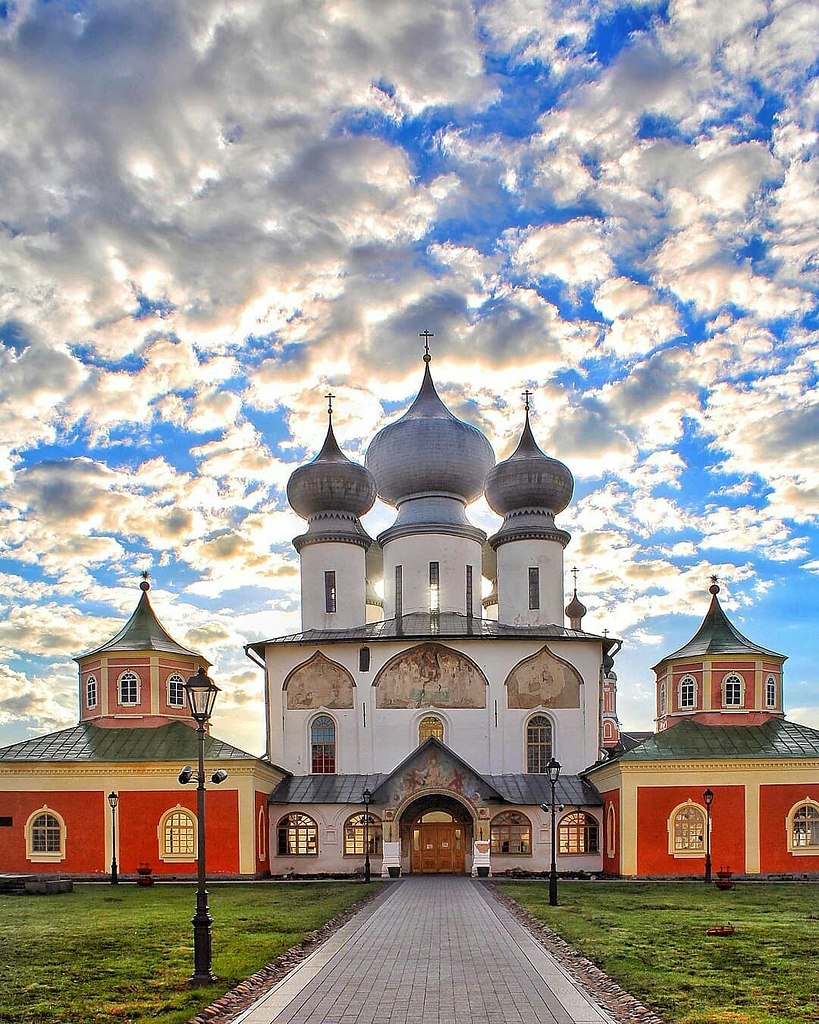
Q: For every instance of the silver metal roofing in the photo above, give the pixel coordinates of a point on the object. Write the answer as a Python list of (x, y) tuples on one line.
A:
[(429, 626), (331, 483), (429, 451), (529, 479)]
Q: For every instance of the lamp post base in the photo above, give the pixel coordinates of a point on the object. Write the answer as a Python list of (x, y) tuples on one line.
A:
[(202, 973)]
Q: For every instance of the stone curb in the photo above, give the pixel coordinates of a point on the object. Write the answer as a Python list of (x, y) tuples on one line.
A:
[(232, 1003), (619, 1003)]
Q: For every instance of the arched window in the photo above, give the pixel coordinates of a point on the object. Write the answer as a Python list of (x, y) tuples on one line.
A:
[(298, 836), (803, 828), (45, 836), (91, 691), (611, 831), (770, 692), (430, 725), (364, 659), (578, 832), (129, 688), (538, 744), (732, 691), (686, 830), (323, 745), (688, 693), (176, 690), (261, 838), (177, 835), (510, 832), (354, 835), (663, 699)]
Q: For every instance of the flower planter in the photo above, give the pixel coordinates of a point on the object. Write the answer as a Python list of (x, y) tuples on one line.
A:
[(145, 874), (394, 871), (724, 879), (483, 871)]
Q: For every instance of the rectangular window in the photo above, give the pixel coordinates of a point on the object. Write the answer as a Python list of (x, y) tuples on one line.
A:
[(6, 822), (364, 659), (733, 693), (330, 591), (399, 591), (534, 588), (434, 586), (469, 590)]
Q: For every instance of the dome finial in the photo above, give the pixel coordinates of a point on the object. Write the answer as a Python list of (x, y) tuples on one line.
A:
[(330, 396), (145, 586), (527, 394), (426, 335), (714, 588)]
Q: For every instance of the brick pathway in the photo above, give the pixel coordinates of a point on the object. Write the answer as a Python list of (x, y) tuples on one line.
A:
[(435, 950)]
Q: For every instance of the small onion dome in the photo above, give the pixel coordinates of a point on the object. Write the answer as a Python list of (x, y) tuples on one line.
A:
[(529, 479), (575, 609), (428, 451), (331, 483)]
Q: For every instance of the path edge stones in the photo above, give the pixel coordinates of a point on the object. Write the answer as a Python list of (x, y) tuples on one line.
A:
[(623, 1006)]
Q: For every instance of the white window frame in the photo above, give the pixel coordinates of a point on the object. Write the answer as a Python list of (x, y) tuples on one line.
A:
[(164, 854), (261, 837), (129, 703), (611, 831), (687, 680), (730, 678), (45, 856), (536, 713), (770, 684), (800, 851), (175, 677), (687, 854), (663, 698), (89, 682)]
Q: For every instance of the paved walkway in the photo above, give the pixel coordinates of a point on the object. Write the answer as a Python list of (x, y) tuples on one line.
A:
[(435, 950)]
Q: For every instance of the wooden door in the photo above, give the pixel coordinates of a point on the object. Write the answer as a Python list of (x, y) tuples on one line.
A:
[(437, 848)]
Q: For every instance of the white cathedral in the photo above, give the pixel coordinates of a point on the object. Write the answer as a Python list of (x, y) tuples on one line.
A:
[(423, 724)]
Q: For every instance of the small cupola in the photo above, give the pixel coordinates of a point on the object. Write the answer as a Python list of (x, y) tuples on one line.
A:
[(575, 609)]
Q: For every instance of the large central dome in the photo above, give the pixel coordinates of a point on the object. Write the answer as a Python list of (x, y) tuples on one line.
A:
[(429, 452)]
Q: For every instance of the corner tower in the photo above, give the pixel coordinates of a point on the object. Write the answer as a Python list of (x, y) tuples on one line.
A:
[(529, 489), (331, 493), (719, 677), (430, 465)]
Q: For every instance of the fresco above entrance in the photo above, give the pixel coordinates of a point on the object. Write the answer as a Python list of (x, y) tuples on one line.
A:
[(319, 683), (430, 675)]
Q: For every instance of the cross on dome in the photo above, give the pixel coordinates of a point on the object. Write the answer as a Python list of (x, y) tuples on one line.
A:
[(330, 396), (426, 335), (527, 394)]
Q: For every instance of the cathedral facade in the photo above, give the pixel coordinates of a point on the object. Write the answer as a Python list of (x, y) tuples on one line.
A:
[(418, 725)]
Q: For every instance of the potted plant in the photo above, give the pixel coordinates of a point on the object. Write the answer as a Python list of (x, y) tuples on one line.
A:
[(394, 870), (724, 878), (145, 875), (483, 870)]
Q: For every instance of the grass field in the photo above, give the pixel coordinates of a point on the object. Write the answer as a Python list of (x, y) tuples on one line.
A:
[(125, 954), (651, 938)]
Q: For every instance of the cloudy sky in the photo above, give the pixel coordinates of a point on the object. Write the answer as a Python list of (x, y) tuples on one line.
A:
[(212, 211)]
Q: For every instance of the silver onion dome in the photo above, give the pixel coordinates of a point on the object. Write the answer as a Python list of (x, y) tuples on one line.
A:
[(429, 452), (331, 483), (529, 479)]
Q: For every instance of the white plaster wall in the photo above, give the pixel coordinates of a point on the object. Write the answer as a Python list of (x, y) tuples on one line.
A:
[(347, 561), (414, 554), (514, 561), (492, 739)]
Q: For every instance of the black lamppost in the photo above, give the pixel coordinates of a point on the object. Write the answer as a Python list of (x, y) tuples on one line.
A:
[(113, 800), (366, 796), (553, 771), (201, 691), (708, 797)]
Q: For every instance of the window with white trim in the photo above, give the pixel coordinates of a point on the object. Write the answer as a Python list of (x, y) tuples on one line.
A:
[(354, 835), (91, 692), (45, 836), (430, 725), (176, 691), (611, 831), (298, 836), (261, 838), (732, 691), (686, 830), (538, 744), (803, 828), (663, 700), (323, 745), (128, 688), (578, 832), (688, 693), (510, 832), (177, 835), (770, 692)]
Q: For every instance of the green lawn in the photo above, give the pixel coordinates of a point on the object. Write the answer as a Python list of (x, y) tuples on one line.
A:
[(125, 954), (651, 939)]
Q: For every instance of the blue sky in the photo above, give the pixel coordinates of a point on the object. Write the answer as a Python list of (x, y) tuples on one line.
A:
[(211, 213)]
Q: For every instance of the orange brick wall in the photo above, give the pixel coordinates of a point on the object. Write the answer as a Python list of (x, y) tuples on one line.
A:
[(775, 802), (84, 817)]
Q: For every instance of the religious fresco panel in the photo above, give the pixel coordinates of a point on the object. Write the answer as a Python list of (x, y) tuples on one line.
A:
[(319, 683), (430, 675), (543, 680)]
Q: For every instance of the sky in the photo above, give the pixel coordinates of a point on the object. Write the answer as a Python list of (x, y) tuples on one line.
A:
[(211, 213)]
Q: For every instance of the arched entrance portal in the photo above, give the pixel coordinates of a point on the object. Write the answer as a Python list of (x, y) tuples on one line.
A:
[(436, 836)]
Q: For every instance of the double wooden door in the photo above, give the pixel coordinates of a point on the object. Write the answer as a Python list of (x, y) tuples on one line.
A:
[(437, 848)]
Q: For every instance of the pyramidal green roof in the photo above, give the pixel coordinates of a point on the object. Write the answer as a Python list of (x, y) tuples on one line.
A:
[(87, 742), (717, 635), (143, 632), (690, 740)]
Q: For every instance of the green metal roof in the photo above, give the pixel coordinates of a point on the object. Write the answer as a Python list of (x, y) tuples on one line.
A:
[(143, 632), (717, 635), (689, 740), (86, 742)]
